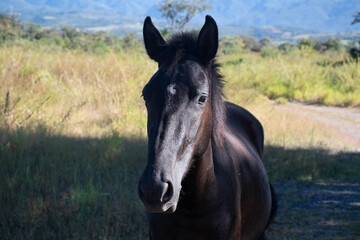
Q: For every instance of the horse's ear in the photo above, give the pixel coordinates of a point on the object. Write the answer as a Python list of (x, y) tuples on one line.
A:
[(154, 43), (208, 40)]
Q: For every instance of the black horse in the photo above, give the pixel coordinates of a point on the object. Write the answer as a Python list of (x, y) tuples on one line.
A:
[(204, 177)]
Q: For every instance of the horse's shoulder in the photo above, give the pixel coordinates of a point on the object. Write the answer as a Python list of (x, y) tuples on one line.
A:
[(244, 122)]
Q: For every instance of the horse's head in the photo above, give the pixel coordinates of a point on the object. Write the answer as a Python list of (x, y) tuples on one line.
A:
[(178, 100)]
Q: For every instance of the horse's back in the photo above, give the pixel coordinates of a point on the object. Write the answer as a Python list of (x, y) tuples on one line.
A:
[(246, 124), (247, 136)]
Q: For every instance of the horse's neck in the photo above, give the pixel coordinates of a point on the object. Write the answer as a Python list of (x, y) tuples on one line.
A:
[(204, 169), (200, 181)]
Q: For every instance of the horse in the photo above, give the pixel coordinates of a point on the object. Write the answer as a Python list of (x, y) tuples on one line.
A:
[(204, 177)]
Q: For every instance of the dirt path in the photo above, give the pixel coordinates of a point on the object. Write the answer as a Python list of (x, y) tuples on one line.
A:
[(346, 121)]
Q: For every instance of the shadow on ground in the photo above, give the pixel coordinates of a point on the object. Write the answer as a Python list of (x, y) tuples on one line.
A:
[(306, 165), (317, 211), (58, 187), (318, 193)]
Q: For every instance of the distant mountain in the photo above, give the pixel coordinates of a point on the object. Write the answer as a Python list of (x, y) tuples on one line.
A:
[(259, 17), (317, 15)]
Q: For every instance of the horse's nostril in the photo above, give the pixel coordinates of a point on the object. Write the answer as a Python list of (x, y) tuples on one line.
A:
[(155, 192), (168, 192)]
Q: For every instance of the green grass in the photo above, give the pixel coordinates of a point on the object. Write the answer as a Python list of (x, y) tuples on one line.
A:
[(73, 135)]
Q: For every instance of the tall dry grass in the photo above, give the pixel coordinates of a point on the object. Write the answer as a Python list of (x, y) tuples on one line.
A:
[(83, 94), (77, 94)]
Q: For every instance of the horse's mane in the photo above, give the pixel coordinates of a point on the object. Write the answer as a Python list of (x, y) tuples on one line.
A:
[(184, 45)]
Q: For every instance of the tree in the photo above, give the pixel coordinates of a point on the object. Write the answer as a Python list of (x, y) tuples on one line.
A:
[(10, 28), (251, 43), (179, 12), (267, 42), (356, 18), (231, 45), (354, 51), (333, 44), (306, 43)]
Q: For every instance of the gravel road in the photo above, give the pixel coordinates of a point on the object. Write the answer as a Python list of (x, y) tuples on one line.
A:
[(345, 121)]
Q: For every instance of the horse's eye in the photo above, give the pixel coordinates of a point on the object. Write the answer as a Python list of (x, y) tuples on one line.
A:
[(202, 99)]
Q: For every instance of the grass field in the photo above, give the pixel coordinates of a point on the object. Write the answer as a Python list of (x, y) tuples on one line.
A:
[(73, 139)]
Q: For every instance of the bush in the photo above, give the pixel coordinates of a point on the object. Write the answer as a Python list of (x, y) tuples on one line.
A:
[(320, 47), (267, 42), (10, 28), (231, 45), (287, 48), (278, 90), (355, 53), (269, 52), (306, 43), (130, 41), (332, 44), (251, 43)]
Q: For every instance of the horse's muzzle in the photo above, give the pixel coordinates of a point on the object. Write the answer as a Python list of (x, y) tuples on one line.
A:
[(157, 196)]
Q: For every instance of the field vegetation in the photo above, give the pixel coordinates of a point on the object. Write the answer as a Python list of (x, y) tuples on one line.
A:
[(73, 128)]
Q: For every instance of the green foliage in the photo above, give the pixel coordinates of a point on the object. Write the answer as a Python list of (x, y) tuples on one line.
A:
[(179, 12), (34, 31), (278, 90), (355, 53), (332, 44), (305, 76), (165, 33), (267, 42), (306, 43), (10, 28), (320, 47), (131, 41), (288, 48), (251, 43), (281, 100), (269, 52), (231, 45)]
